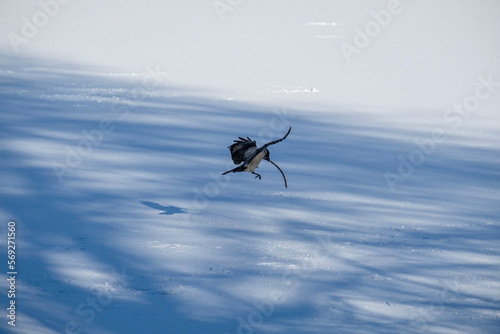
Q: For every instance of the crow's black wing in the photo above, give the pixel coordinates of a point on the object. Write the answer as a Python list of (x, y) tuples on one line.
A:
[(277, 141), (241, 148)]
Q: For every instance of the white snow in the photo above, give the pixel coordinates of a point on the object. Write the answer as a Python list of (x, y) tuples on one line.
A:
[(115, 119)]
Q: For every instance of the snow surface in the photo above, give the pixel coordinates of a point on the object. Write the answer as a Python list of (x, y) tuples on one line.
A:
[(114, 124)]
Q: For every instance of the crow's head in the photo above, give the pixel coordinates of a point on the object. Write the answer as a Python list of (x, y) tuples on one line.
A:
[(267, 156)]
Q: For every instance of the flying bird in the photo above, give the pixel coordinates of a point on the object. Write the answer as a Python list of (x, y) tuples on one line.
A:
[(245, 152)]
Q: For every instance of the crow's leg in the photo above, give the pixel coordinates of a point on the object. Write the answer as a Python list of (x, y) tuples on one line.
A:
[(257, 175)]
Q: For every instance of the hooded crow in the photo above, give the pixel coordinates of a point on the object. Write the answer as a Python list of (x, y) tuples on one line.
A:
[(245, 152)]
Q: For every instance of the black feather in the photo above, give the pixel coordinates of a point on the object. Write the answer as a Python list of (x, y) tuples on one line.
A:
[(239, 148)]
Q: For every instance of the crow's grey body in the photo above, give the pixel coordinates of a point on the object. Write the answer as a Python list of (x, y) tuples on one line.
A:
[(245, 151), (254, 160)]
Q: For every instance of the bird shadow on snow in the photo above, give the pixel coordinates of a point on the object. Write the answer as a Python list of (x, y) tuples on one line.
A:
[(167, 210), (82, 148)]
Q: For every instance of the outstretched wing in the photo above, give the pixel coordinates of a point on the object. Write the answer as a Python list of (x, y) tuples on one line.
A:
[(277, 141), (242, 149)]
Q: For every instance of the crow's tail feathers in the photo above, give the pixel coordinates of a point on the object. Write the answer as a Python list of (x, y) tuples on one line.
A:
[(235, 170)]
